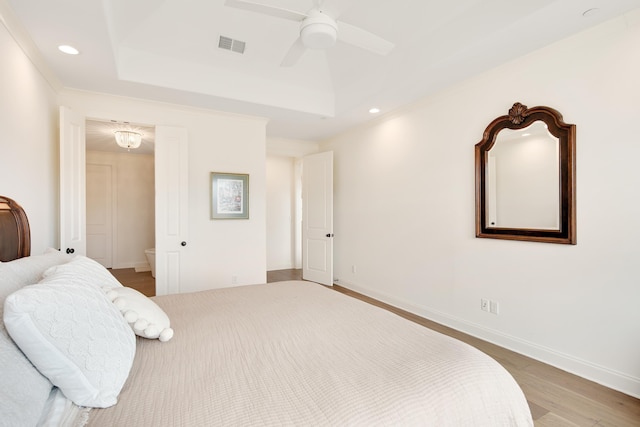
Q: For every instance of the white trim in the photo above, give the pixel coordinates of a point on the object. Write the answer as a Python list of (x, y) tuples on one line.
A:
[(141, 267)]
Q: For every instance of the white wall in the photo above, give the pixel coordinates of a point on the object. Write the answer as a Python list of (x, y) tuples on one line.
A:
[(217, 251), (134, 221), (284, 201), (281, 213), (28, 142), (404, 210)]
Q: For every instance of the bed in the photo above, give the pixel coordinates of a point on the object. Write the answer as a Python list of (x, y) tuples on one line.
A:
[(289, 353)]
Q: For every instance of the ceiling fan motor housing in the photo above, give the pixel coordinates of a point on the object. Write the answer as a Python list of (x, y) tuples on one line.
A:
[(318, 30)]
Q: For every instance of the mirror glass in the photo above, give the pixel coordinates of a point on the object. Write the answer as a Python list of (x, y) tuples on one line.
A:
[(525, 177)]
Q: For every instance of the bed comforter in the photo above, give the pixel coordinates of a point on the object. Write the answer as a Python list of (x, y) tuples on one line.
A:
[(296, 353)]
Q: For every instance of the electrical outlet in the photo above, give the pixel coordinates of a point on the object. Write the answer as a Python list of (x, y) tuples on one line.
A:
[(234, 280), (353, 269), (484, 304), (494, 307)]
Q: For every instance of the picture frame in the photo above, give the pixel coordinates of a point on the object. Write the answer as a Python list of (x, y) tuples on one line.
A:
[(229, 195)]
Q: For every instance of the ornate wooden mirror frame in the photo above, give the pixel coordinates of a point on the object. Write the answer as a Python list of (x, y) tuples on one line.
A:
[(521, 117)]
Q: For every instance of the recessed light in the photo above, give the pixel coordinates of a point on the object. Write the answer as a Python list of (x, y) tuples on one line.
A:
[(374, 110), (526, 134), (69, 50)]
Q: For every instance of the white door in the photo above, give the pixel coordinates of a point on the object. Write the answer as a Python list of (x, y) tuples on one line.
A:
[(172, 203), (73, 232), (317, 218), (99, 213)]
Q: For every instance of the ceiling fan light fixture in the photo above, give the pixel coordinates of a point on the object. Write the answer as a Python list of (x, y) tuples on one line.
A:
[(127, 139), (318, 31)]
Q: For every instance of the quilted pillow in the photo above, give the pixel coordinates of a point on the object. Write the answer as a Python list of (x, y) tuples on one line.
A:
[(145, 317), (75, 337), (21, 385), (29, 270), (81, 270)]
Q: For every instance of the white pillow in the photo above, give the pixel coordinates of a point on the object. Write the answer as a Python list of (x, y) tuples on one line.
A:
[(75, 337), (30, 269), (145, 317), (21, 385), (81, 270), (9, 282)]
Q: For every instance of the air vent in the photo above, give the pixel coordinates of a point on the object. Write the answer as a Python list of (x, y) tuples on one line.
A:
[(228, 43)]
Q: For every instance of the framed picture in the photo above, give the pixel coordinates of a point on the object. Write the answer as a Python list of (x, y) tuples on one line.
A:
[(229, 195)]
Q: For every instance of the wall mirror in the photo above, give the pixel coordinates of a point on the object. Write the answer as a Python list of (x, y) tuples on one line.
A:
[(525, 177)]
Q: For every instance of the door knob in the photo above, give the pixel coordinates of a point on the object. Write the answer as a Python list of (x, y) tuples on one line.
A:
[(183, 244), (70, 250), (329, 234)]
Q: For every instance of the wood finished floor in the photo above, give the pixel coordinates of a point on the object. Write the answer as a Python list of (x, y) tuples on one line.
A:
[(143, 281), (556, 398)]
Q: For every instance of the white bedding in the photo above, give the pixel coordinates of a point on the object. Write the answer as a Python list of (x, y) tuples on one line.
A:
[(295, 353), (62, 412)]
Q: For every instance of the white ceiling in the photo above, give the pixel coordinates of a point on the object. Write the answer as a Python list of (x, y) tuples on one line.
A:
[(166, 50)]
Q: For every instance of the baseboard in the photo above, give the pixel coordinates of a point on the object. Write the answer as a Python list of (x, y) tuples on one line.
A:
[(140, 267), (607, 377), (280, 268), (121, 265)]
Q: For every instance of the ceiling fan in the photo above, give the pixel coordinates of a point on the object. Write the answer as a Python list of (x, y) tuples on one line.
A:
[(318, 30)]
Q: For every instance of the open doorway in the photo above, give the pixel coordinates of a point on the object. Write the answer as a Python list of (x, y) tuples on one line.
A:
[(294, 201), (120, 203), (284, 212)]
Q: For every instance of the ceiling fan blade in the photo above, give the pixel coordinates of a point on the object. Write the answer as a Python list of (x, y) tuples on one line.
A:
[(266, 10), (361, 38), (293, 55)]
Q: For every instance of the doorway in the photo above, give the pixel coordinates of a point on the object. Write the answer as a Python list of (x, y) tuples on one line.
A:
[(284, 213), (120, 198), (286, 259), (284, 275)]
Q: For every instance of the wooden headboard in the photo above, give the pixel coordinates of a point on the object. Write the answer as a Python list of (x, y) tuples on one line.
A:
[(15, 237)]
